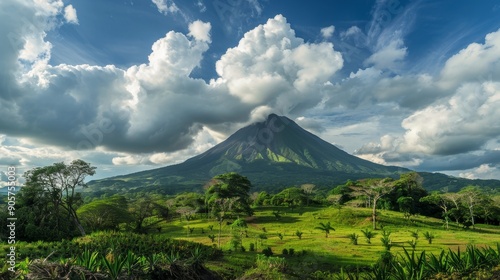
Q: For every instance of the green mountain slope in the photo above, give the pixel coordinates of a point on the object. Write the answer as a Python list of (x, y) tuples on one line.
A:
[(273, 154)]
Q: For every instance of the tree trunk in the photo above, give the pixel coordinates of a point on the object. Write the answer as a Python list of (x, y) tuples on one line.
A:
[(471, 215), (220, 230), (374, 215), (76, 220)]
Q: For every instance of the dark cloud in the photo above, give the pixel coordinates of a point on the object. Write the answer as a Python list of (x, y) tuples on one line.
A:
[(461, 162)]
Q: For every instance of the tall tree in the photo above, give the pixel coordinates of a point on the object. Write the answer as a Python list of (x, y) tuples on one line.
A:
[(308, 190), (471, 197), (60, 181), (374, 189), (455, 212), (230, 185), (228, 194), (441, 201)]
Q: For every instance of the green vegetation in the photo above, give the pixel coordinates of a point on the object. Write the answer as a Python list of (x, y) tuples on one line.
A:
[(227, 232)]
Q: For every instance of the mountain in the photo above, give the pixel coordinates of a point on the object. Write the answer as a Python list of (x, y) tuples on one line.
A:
[(273, 154)]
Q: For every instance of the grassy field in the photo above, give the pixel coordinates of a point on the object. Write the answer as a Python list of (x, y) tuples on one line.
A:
[(313, 254), (314, 251)]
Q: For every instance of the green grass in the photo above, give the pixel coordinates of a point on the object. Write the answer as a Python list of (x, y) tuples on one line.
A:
[(333, 252), (313, 251)]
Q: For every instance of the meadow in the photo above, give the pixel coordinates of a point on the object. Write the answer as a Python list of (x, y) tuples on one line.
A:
[(313, 251)]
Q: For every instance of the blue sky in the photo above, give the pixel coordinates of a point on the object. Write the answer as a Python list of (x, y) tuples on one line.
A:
[(133, 85)]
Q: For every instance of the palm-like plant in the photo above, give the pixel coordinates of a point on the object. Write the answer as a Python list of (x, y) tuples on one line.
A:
[(326, 227), (368, 235)]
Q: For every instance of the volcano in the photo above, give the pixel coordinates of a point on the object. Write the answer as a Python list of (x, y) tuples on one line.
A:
[(273, 154)]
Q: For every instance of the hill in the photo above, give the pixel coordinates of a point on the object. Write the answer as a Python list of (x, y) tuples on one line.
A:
[(273, 154)]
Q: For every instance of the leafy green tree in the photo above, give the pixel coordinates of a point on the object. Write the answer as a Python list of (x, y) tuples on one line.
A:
[(405, 205), (105, 214), (326, 227), (227, 195), (290, 197), (221, 209), (408, 185), (261, 198), (60, 182), (147, 212), (441, 201), (374, 189), (230, 186), (471, 198), (457, 211), (308, 190), (194, 201), (36, 217)]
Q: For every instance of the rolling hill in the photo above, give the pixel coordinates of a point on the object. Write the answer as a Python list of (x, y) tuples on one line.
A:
[(273, 154)]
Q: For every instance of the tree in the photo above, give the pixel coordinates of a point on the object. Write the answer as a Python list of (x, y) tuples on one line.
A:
[(441, 201), (221, 209), (60, 182), (326, 227), (36, 217), (374, 189), (471, 197), (230, 186), (405, 205), (455, 212), (147, 211), (105, 214), (290, 197), (308, 190), (408, 185)]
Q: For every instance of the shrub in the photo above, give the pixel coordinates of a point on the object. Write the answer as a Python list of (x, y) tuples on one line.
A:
[(413, 244), (291, 251), (354, 238), (386, 240), (212, 237), (429, 236), (414, 234), (268, 263), (267, 252), (252, 247), (299, 234), (368, 235), (284, 251)]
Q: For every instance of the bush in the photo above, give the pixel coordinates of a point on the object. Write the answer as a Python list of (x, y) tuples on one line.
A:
[(284, 251), (268, 263), (354, 238), (368, 235), (291, 251), (386, 240), (267, 252), (299, 234), (252, 247), (429, 236)]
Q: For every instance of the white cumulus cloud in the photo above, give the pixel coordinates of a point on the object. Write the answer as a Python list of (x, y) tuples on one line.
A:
[(70, 14), (200, 30), (166, 6), (327, 32)]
